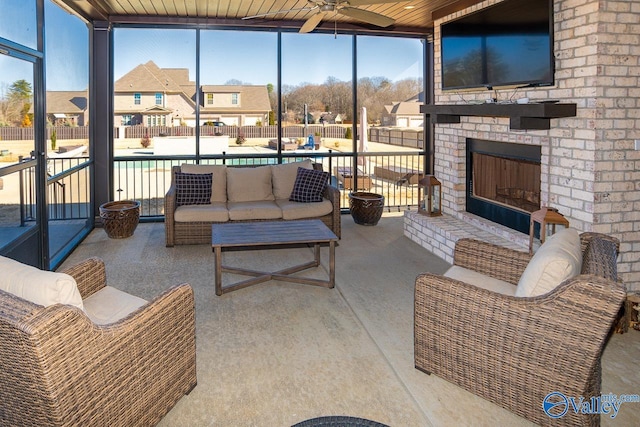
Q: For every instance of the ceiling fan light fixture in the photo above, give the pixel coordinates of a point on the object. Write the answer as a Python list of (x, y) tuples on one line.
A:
[(327, 8)]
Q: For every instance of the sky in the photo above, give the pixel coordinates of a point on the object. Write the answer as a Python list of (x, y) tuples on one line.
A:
[(249, 57)]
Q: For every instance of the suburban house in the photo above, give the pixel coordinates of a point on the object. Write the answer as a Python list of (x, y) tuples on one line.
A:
[(67, 108), (152, 96), (404, 113)]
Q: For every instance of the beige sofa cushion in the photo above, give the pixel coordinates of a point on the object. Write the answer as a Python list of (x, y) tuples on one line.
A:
[(219, 185), (296, 210), (480, 280), (558, 259), (215, 212), (38, 286), (242, 211), (284, 176), (108, 305), (249, 184)]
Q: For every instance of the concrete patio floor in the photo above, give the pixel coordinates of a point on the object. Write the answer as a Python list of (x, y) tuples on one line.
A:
[(279, 353)]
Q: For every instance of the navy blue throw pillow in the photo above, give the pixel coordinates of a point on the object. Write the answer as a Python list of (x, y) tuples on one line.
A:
[(193, 188), (309, 185)]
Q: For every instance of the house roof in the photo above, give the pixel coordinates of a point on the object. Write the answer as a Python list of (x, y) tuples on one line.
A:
[(67, 102), (405, 107), (149, 77), (253, 98)]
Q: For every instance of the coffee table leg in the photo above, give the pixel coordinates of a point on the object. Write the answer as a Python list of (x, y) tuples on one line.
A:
[(332, 264), (317, 253), (218, 278)]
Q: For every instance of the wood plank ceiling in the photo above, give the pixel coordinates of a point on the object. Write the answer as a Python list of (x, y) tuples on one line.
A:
[(411, 16)]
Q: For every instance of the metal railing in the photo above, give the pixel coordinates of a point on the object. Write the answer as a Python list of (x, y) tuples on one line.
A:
[(395, 175)]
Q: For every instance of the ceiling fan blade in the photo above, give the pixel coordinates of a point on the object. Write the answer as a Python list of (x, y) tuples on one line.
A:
[(311, 23), (366, 16), (368, 2), (277, 12)]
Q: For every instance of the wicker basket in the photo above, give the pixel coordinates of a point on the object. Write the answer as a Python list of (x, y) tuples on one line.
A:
[(120, 219), (366, 208)]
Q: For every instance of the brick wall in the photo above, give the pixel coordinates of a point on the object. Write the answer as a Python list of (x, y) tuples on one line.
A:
[(590, 169)]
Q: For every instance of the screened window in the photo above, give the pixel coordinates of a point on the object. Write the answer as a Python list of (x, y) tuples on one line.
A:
[(126, 120), (209, 99), (136, 98), (234, 99), (158, 99)]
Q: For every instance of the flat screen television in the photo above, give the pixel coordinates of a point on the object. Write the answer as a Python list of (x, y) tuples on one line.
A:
[(507, 44)]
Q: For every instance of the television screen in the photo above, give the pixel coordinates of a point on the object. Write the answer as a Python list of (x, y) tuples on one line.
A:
[(508, 44)]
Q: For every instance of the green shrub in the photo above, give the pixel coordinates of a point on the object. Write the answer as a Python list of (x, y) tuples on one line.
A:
[(54, 139), (348, 134)]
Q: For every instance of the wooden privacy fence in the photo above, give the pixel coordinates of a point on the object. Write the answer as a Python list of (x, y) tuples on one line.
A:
[(399, 137), (62, 132)]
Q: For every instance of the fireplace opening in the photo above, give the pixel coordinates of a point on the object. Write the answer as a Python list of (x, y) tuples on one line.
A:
[(503, 182)]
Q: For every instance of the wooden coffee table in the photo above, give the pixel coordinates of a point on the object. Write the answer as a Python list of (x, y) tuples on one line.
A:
[(271, 234)]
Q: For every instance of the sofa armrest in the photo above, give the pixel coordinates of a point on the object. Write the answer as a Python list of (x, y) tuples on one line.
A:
[(332, 194), (114, 365), (491, 260), (90, 276), (513, 351)]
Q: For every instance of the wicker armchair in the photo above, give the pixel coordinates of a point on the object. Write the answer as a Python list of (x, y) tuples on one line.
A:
[(57, 368), (515, 351)]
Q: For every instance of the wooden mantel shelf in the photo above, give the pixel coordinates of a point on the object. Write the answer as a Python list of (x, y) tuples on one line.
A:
[(536, 116)]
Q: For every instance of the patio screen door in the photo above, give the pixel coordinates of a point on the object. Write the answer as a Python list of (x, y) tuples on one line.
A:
[(21, 192)]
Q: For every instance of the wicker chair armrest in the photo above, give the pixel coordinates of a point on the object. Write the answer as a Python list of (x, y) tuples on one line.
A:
[(491, 260), (169, 212), (144, 362), (588, 236), (513, 351), (90, 276)]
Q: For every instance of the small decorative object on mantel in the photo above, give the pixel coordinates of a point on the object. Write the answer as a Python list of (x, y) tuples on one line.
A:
[(544, 216), (429, 196)]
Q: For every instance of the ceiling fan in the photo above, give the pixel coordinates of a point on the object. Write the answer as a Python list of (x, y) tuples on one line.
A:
[(343, 7)]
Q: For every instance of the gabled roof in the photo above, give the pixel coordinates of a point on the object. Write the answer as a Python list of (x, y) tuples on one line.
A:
[(252, 97), (156, 109), (151, 78), (68, 102), (410, 107)]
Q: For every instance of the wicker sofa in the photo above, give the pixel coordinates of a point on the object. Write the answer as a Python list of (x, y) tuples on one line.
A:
[(513, 350), (244, 194), (58, 367)]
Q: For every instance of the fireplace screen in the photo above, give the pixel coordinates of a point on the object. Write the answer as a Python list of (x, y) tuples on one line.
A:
[(503, 181), (511, 182)]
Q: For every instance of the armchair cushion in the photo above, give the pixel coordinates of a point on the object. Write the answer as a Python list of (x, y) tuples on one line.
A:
[(480, 280), (193, 189), (40, 287), (109, 305), (558, 259)]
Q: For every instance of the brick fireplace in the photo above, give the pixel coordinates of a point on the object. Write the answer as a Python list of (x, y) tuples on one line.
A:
[(589, 169)]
